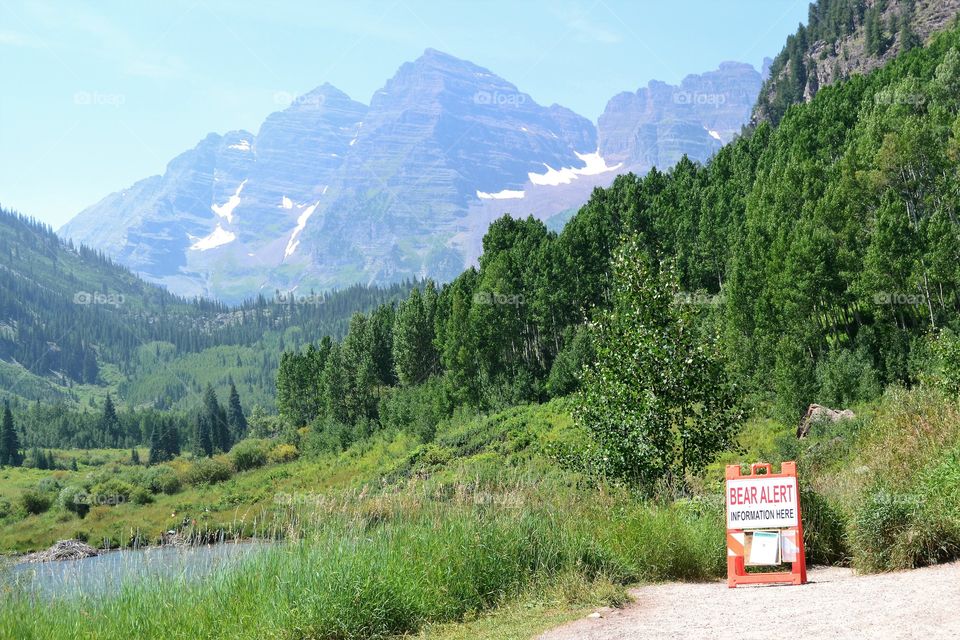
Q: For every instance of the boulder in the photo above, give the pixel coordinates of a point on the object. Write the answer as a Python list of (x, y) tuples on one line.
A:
[(816, 413)]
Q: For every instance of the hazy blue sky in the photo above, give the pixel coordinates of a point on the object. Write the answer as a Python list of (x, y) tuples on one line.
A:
[(97, 95)]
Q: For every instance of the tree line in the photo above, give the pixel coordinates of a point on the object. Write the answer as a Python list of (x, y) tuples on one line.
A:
[(821, 253)]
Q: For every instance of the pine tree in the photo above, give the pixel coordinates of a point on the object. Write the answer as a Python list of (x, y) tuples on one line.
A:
[(235, 417), (216, 418), (109, 423), (156, 452), (134, 457), (202, 440), (170, 439), (9, 442)]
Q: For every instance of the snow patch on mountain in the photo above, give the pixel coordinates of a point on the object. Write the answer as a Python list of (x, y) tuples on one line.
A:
[(286, 203), (243, 145), (225, 210), (713, 134), (219, 237), (594, 164), (293, 242), (506, 194), (356, 134)]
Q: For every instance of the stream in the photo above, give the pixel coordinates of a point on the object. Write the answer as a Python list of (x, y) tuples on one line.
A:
[(106, 573)]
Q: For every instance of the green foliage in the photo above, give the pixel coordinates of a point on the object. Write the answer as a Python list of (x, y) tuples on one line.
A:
[(263, 425), (71, 499), (34, 502), (417, 410), (162, 479), (208, 471), (249, 454), (657, 401), (216, 418), (111, 492), (236, 420), (9, 441), (414, 353), (824, 530), (164, 442), (141, 496), (940, 362), (576, 354), (298, 380), (884, 523), (845, 378), (283, 453), (109, 425)]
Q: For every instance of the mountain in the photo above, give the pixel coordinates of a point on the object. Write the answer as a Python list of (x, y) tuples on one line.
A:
[(843, 38), (331, 192), (660, 123)]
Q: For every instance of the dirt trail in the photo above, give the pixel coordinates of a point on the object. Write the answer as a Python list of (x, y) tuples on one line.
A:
[(834, 605)]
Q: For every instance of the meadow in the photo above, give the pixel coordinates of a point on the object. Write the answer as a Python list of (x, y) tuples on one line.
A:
[(396, 537)]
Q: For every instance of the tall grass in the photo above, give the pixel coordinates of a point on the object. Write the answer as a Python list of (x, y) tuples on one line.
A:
[(396, 563), (899, 483)]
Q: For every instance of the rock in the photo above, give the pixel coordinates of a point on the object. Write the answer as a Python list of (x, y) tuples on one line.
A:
[(595, 615), (660, 123), (63, 550), (816, 413), (825, 63)]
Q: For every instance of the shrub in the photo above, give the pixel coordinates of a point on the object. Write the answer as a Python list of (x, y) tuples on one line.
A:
[(141, 496), (568, 366), (416, 410), (940, 362), (34, 502), (284, 453), (208, 471), (657, 400), (49, 484), (110, 492), (162, 479), (846, 377), (328, 436), (6, 508), (249, 454), (73, 498), (883, 531), (824, 530)]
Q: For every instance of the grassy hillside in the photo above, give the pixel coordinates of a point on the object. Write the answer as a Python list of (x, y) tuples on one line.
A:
[(74, 326), (394, 536)]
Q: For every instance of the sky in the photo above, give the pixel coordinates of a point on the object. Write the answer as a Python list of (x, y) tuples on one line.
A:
[(97, 95)]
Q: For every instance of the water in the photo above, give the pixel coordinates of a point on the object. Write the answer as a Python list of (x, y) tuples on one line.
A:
[(108, 572)]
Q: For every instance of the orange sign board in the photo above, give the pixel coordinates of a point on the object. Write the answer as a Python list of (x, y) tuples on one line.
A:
[(762, 503), (764, 526)]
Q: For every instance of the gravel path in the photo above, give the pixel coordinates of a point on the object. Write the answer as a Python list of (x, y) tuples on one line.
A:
[(834, 605)]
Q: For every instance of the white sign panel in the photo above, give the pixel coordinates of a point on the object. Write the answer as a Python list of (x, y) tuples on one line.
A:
[(762, 503), (765, 548)]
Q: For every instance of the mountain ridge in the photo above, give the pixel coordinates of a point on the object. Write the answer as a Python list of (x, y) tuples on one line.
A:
[(331, 192)]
